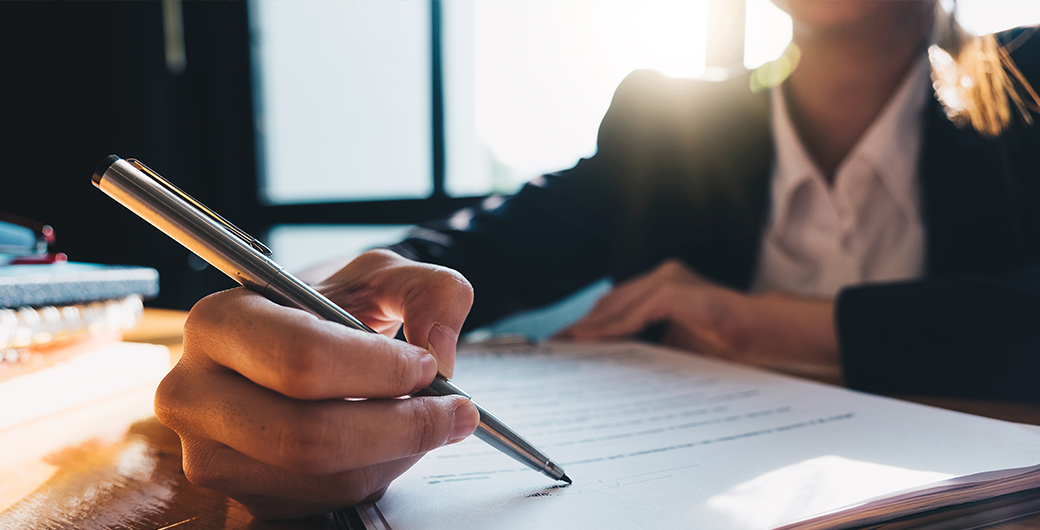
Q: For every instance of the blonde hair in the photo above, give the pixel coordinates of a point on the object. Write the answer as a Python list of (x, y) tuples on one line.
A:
[(975, 78)]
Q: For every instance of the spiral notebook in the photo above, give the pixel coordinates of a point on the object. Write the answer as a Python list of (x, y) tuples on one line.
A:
[(73, 282)]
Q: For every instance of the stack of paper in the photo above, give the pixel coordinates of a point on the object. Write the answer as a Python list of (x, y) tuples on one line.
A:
[(655, 438)]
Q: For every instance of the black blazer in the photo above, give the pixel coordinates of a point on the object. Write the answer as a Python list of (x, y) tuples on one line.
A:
[(682, 170)]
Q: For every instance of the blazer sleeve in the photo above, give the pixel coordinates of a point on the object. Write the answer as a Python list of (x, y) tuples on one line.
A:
[(555, 236), (664, 182), (519, 252)]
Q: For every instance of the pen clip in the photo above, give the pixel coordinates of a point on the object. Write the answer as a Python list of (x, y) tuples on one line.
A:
[(241, 234)]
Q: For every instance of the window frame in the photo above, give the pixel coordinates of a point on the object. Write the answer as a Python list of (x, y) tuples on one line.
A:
[(263, 217)]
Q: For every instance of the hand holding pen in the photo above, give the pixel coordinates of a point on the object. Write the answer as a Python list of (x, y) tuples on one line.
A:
[(258, 397), (254, 398)]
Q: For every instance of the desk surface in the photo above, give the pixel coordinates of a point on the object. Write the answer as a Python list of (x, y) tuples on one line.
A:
[(111, 464)]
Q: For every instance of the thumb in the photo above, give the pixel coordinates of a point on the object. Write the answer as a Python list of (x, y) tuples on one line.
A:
[(433, 316), (430, 300)]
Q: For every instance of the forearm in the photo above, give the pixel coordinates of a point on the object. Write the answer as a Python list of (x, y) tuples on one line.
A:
[(794, 335)]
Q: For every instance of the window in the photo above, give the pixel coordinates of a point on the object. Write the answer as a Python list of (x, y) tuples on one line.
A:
[(390, 113), (344, 108), (528, 81), (989, 16)]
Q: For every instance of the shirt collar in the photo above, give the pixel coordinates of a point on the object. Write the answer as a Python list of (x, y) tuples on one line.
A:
[(890, 146)]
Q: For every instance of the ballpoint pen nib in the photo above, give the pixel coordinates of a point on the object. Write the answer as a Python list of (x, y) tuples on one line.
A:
[(555, 472)]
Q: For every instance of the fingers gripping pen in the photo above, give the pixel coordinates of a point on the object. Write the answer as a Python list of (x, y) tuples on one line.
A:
[(247, 261)]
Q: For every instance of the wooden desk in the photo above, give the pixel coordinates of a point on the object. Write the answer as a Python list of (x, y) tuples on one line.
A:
[(111, 464)]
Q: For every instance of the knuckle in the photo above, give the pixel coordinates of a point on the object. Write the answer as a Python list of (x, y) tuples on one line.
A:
[(376, 258), (202, 467), (201, 475), (454, 282), (298, 356), (170, 403), (303, 443), (204, 313), (401, 373), (672, 267), (207, 324), (424, 431), (446, 286)]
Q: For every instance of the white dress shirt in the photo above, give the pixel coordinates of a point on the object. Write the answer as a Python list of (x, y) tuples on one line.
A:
[(866, 227)]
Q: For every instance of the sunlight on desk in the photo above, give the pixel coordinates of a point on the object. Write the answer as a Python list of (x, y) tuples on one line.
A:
[(105, 465), (109, 463)]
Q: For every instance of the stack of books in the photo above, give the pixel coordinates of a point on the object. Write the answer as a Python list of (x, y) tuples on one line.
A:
[(61, 324), (32, 338)]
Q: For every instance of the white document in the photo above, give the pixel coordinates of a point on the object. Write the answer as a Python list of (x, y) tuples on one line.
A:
[(655, 438)]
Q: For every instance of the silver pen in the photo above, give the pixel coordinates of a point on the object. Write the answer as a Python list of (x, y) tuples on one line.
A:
[(247, 261)]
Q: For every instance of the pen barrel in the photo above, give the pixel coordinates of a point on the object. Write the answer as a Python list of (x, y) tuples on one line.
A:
[(213, 242), (245, 260), (496, 434), (202, 235), (289, 291)]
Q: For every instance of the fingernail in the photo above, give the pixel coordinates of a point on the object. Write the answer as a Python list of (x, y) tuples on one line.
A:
[(429, 371), (466, 419), (442, 343)]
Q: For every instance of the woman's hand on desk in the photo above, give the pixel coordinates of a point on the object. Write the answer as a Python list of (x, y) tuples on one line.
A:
[(773, 330), (257, 397)]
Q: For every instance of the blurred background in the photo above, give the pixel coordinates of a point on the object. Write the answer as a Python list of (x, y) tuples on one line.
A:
[(328, 127)]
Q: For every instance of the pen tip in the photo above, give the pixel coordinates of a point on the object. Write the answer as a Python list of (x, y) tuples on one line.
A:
[(566, 479)]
